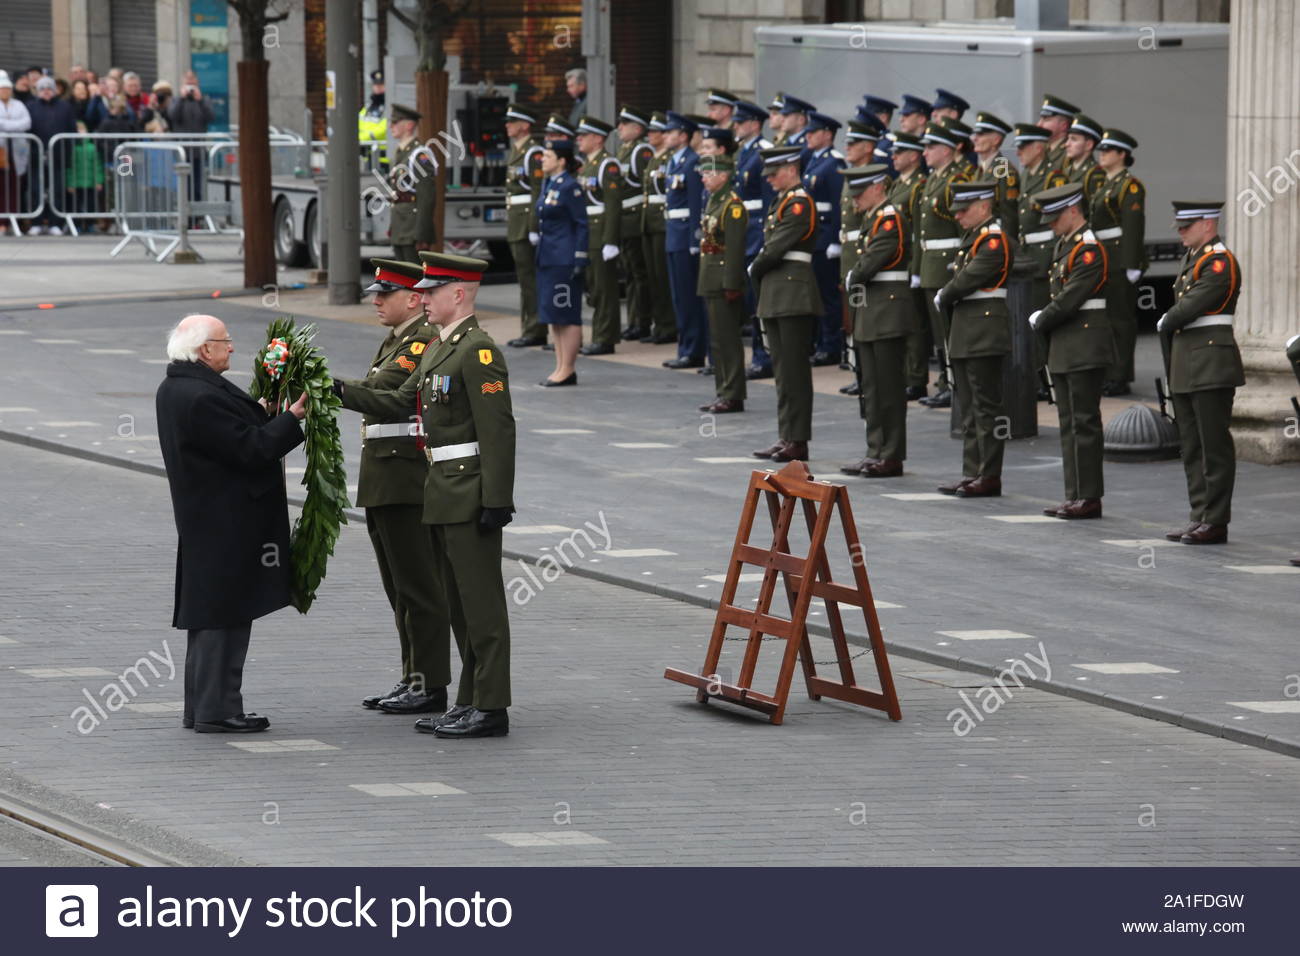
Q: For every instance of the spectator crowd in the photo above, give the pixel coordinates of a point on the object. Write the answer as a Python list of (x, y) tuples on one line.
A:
[(81, 177)]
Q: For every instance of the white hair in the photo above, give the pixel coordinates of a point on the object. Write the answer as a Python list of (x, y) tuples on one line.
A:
[(577, 73), (185, 340)]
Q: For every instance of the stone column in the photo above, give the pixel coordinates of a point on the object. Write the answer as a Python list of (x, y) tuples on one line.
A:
[(1262, 219)]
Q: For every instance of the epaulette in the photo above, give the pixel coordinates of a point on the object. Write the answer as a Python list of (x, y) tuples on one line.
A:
[(764, 143), (836, 153), (885, 210)]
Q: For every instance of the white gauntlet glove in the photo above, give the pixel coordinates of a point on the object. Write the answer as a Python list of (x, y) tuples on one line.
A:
[(1133, 274), (534, 238), (833, 250), (914, 282), (608, 251)]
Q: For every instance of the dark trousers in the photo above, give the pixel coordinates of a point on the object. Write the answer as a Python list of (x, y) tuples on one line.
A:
[(884, 405), (725, 321), (413, 576), (406, 253), (984, 423), (919, 343), (214, 672), (939, 334), (759, 357), (1209, 455), (659, 285), (480, 620), (526, 271), (790, 339), (1121, 313), (1078, 404), (640, 315), (692, 326), (830, 325), (602, 281)]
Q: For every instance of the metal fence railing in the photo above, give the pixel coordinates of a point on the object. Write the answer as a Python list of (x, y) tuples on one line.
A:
[(22, 172)]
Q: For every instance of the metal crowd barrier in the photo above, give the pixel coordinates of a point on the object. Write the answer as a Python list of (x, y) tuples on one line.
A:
[(22, 178)]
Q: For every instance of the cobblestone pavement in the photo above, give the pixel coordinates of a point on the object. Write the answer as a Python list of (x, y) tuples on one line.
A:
[(607, 763), (1205, 637)]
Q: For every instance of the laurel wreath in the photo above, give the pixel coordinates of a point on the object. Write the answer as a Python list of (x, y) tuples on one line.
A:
[(285, 368)]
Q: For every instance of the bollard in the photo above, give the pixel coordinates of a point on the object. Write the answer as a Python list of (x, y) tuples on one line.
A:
[(183, 254)]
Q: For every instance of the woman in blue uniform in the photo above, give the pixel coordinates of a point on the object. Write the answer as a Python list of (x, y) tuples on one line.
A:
[(561, 257)]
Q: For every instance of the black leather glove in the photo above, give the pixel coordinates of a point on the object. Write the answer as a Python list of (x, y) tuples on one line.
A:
[(337, 388), (494, 518)]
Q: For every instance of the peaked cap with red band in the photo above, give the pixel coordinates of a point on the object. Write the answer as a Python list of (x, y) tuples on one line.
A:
[(392, 275), (443, 267)]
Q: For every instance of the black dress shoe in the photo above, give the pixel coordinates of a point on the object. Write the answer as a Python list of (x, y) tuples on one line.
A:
[(1044, 393), (476, 723), (416, 702), (758, 371), (913, 392), (526, 341), (724, 406), (370, 703), (239, 724), (1207, 534), (990, 487), (1115, 389), (663, 339), (853, 388), (631, 334), (596, 348), (686, 362), (426, 725), (942, 400), (823, 358), (187, 723), (704, 370), (570, 379), (886, 468)]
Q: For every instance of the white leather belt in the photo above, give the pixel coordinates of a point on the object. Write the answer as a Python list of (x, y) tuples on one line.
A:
[(798, 256), (897, 275), (823, 206), (988, 294), (1093, 304), (596, 210), (395, 430), (1208, 320), (677, 213), (1034, 237), (447, 452), (852, 235), (633, 201), (1114, 232), (656, 200), (930, 245), (752, 204), (523, 199)]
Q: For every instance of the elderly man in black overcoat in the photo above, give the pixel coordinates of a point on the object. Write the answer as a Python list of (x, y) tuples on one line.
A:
[(223, 454)]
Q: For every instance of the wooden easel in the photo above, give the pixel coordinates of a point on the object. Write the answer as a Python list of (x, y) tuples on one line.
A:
[(804, 577)]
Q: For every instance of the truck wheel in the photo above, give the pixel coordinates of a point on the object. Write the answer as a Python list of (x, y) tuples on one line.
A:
[(289, 250), (312, 232)]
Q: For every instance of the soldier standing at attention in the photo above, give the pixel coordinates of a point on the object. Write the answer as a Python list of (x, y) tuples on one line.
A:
[(1080, 167), (794, 122), (883, 110), (980, 337), (410, 221), (523, 183), (561, 216), (634, 154), (776, 118), (987, 135), (938, 235), (602, 180), (1080, 346), (391, 489), (1055, 116), (788, 302), (905, 197), (723, 281), (461, 388), (756, 195), (822, 180), (1037, 238), (947, 105), (883, 315), (720, 107), (859, 145), (653, 232), (682, 211), (1204, 369), (914, 115), (1118, 217)]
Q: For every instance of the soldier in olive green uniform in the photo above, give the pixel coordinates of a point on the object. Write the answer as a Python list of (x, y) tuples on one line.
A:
[(987, 135), (462, 390), (602, 180), (1080, 166), (654, 230), (1037, 240), (905, 196), (883, 315), (523, 185), (1080, 346), (410, 219), (860, 140), (1118, 217), (1205, 370), (937, 234), (722, 281), (391, 489), (788, 300), (634, 155), (980, 337), (1055, 116)]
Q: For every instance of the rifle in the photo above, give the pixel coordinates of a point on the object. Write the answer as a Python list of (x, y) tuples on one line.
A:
[(1045, 379), (1166, 347), (1164, 400), (1295, 403)]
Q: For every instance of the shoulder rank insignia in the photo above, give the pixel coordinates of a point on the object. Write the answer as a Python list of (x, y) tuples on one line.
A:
[(491, 388), (417, 348), (737, 211), (406, 363), (485, 356), (1132, 187)]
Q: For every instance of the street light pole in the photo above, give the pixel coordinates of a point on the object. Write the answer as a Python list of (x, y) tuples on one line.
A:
[(343, 196)]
